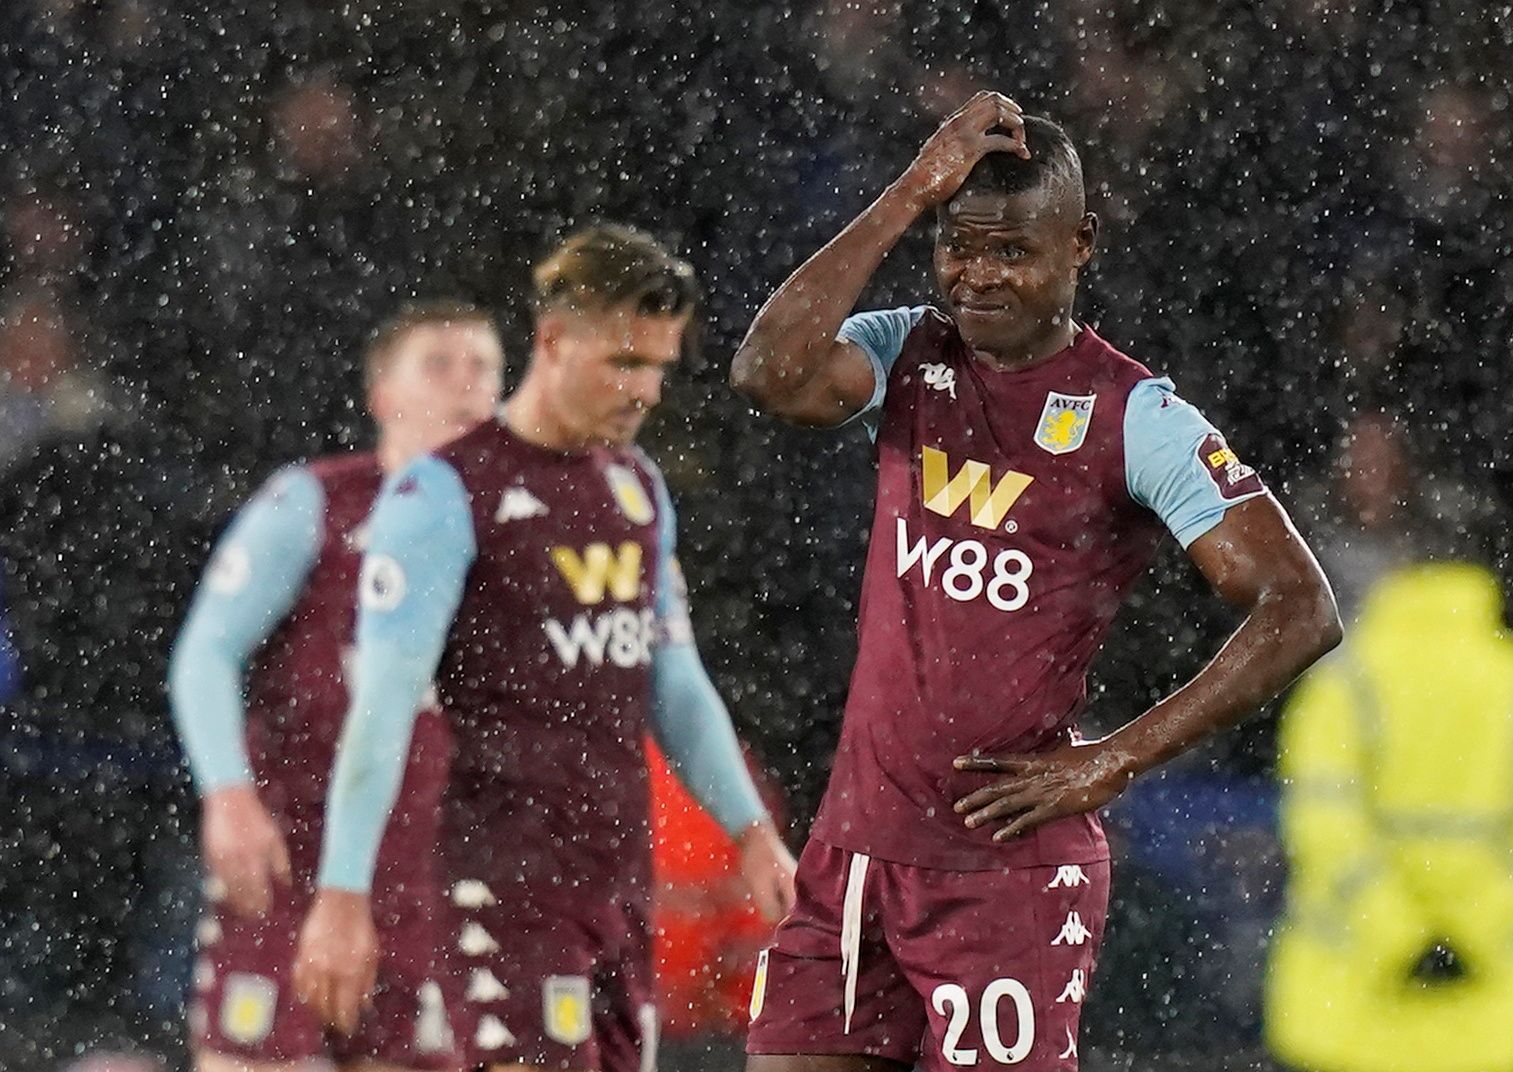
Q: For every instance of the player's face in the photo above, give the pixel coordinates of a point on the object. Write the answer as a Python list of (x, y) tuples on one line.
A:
[(1007, 266), (608, 368), (442, 380)]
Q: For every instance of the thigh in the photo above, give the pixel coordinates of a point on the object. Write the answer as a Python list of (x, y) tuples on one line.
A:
[(520, 988), (824, 989), (409, 1022), (1002, 961), (626, 1024), (244, 1008)]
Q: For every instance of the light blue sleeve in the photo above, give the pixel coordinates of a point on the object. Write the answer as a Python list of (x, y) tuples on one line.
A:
[(688, 718), (420, 548), (880, 335), (1167, 449), (258, 569)]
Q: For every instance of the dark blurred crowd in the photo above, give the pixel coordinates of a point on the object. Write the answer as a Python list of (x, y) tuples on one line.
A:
[(205, 207)]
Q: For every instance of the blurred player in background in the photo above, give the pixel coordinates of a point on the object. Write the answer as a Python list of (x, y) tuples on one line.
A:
[(952, 897), (529, 567), (281, 591)]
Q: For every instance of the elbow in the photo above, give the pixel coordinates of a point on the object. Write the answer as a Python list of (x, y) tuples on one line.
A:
[(1313, 619), (752, 378), (745, 373)]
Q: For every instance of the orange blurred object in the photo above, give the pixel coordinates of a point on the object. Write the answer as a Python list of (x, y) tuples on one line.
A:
[(707, 934)]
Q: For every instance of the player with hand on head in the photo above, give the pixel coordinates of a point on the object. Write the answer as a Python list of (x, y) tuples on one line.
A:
[(952, 896), (529, 567), (280, 594)]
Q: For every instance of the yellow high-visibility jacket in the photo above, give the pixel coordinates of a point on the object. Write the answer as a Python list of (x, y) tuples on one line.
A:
[(1397, 816)]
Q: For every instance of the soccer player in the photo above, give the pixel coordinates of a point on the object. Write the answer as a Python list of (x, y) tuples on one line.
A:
[(529, 568), (952, 896), (281, 592)]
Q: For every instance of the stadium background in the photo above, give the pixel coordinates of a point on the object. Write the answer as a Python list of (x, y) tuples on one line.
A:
[(204, 208)]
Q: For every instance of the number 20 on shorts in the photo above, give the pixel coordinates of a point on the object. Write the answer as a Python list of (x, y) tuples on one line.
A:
[(952, 999)]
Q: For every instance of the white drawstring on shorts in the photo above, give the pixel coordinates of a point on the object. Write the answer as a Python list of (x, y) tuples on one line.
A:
[(851, 929)]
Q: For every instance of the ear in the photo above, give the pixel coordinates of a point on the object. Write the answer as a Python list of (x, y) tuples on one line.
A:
[(1086, 239), (549, 331), (378, 400)]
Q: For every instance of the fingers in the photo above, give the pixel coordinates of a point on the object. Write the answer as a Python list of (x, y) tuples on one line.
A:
[(282, 869), (246, 882), (349, 994), (1028, 821), (994, 764), (988, 793), (1003, 807)]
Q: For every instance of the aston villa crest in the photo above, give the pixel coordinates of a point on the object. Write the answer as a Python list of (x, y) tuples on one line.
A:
[(1064, 422)]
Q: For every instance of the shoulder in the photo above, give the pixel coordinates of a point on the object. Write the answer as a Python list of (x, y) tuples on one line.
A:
[(293, 488), (1112, 366), (480, 457), (344, 468)]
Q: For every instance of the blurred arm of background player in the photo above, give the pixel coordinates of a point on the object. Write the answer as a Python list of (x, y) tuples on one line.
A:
[(693, 729), (790, 363), (257, 571), (420, 548)]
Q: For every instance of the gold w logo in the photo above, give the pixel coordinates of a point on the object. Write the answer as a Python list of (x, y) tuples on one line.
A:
[(599, 568), (944, 492)]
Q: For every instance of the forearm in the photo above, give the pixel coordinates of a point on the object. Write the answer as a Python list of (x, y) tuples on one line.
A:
[(205, 698), (791, 338), (1282, 636), (370, 762), (693, 728)]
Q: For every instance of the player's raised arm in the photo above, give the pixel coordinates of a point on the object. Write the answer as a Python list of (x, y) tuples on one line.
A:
[(256, 573), (420, 547), (692, 726), (792, 363)]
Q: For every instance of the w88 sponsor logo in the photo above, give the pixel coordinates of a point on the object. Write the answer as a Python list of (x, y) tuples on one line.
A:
[(624, 637), (966, 570)]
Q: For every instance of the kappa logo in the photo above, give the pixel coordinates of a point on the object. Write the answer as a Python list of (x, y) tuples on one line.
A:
[(631, 496), (1064, 422), (1071, 1047), (484, 986), (492, 1034), (1075, 989), (565, 1008), (599, 569), (517, 504), (943, 492), (941, 378), (1067, 876), (475, 941), (1073, 932), (470, 893), (247, 1007), (433, 1031)]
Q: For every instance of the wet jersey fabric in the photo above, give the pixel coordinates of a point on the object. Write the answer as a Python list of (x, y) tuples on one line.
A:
[(543, 589), (1014, 510)]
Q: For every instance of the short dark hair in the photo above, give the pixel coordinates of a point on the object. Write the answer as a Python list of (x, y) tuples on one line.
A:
[(1053, 159), (608, 265), (379, 353)]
